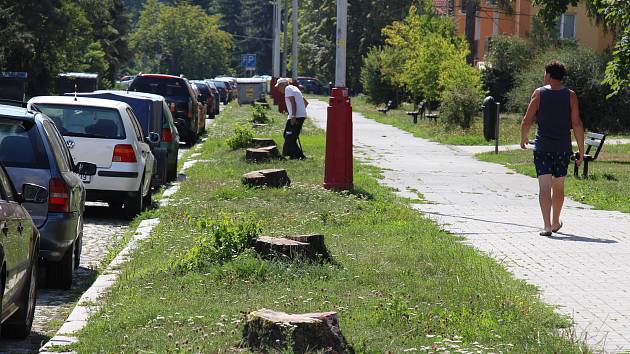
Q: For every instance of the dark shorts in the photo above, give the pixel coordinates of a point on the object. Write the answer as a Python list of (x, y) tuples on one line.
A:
[(552, 163)]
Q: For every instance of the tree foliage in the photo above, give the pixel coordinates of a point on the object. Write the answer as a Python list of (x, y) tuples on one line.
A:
[(180, 39), (615, 15)]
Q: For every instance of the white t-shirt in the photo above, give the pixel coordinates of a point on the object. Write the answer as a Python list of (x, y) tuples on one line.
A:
[(299, 102)]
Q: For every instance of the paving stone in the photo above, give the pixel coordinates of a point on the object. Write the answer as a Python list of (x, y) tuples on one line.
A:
[(583, 270)]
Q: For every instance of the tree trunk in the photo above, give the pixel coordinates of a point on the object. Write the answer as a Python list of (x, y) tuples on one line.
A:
[(471, 9)]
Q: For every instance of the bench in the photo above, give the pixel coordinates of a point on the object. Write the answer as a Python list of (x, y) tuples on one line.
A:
[(418, 112), (385, 109), (432, 115), (591, 140)]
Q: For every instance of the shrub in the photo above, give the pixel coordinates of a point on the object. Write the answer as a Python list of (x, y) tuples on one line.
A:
[(508, 55), (218, 241), (375, 78), (585, 72), (242, 138), (461, 91), (259, 114)]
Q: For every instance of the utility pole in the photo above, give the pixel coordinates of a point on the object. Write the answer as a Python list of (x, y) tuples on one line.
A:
[(286, 38), (294, 51), (277, 17), (338, 173)]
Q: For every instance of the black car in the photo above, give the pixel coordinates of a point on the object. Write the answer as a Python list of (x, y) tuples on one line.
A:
[(206, 96), (19, 252), (311, 85), (181, 99), (44, 160), (216, 95), (223, 90)]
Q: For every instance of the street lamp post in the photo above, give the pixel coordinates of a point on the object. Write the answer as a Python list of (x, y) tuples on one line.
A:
[(338, 171)]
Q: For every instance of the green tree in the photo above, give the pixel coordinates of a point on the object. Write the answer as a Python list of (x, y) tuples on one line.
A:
[(180, 39), (615, 15)]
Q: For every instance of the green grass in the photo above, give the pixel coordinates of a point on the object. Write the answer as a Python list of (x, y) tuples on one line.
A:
[(608, 186), (398, 281)]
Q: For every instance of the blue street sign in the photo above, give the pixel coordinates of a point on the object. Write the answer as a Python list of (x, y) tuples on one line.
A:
[(248, 61)]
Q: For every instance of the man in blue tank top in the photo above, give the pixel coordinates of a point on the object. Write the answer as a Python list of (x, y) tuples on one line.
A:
[(556, 111)]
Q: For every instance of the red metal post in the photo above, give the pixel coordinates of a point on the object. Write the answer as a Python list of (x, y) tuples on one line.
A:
[(274, 91), (338, 164)]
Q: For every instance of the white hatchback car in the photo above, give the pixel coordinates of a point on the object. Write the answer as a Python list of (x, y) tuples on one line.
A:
[(106, 133)]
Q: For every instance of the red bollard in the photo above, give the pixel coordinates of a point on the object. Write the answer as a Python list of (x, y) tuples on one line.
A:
[(338, 164), (282, 105)]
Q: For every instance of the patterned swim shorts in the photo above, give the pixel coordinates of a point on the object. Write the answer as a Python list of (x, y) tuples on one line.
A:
[(552, 163)]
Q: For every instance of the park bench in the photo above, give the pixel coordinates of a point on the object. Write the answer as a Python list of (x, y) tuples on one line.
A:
[(418, 112), (591, 140), (387, 107), (432, 115)]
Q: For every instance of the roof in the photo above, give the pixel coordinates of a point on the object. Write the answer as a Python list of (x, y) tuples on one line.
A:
[(79, 75), (441, 7), (162, 76), (14, 75), (250, 81), (147, 95), (78, 101)]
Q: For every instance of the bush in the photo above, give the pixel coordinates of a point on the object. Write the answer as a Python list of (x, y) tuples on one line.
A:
[(461, 92), (585, 72), (242, 138), (218, 241), (259, 114), (507, 57), (377, 83)]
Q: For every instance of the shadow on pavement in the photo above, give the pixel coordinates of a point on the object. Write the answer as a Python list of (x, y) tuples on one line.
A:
[(560, 236)]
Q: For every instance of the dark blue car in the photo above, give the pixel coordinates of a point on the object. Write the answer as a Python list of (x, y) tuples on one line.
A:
[(34, 152)]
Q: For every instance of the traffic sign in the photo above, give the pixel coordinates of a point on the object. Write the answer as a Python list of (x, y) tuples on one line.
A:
[(248, 61)]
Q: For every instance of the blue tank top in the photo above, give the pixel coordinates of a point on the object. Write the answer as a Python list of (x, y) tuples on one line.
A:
[(554, 121)]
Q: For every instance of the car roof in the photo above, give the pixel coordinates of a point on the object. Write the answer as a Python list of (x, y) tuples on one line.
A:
[(160, 76), (78, 101), (150, 96), (20, 114)]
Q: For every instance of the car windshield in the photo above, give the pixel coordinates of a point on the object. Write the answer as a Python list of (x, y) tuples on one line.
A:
[(219, 84), (22, 147), (160, 86), (84, 121)]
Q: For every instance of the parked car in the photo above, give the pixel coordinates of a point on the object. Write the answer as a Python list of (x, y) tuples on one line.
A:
[(169, 139), (231, 88), (19, 253), (202, 109), (108, 134), (223, 91), (206, 96), (181, 99), (312, 85), (216, 95), (148, 109), (44, 159)]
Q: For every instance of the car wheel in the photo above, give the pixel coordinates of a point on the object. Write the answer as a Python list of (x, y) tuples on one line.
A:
[(133, 204), (18, 326), (148, 200), (78, 247), (59, 274), (171, 173), (191, 139)]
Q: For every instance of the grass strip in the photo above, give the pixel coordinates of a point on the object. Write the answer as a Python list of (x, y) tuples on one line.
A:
[(398, 281), (608, 186)]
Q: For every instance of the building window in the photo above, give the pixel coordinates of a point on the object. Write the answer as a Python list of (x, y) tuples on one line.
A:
[(566, 26)]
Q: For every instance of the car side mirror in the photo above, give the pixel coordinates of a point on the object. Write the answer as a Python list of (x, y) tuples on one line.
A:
[(199, 98), (85, 169), (153, 138), (32, 193)]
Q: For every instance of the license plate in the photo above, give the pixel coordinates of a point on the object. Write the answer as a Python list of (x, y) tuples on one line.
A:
[(86, 178)]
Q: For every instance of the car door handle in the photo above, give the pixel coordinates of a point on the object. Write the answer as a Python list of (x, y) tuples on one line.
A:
[(5, 229)]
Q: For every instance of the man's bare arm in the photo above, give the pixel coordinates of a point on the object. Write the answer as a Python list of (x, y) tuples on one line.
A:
[(305, 102), (576, 124), (528, 119)]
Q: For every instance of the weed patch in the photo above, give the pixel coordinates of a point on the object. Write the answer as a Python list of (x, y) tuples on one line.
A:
[(242, 138)]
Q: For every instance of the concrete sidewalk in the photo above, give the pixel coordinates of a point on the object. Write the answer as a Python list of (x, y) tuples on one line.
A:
[(584, 270)]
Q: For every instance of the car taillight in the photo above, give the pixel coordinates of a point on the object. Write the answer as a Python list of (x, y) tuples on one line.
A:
[(58, 198), (167, 137), (190, 112), (123, 153), (171, 107)]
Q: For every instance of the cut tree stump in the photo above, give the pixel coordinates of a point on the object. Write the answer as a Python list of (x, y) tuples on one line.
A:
[(301, 333), (258, 125), (264, 154), (316, 244), (271, 178), (262, 142)]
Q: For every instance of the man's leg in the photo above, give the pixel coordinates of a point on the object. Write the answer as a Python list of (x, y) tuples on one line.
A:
[(557, 200), (289, 140), (544, 198), (297, 130)]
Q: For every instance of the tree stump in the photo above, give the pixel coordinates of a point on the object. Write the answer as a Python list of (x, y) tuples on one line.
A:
[(257, 155), (316, 244), (263, 142), (258, 125), (271, 178), (301, 333)]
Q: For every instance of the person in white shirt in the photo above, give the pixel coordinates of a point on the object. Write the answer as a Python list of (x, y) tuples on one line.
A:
[(296, 106)]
